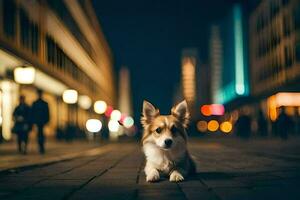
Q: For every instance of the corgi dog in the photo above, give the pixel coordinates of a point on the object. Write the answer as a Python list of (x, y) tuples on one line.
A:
[(165, 143)]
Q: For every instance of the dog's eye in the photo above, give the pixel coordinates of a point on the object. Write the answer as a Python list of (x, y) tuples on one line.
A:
[(158, 130), (174, 129)]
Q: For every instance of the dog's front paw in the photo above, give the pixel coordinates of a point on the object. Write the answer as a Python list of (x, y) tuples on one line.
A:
[(176, 176), (152, 176)]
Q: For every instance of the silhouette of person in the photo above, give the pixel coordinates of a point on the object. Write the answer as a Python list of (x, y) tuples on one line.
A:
[(284, 124), (243, 126), (40, 112), (262, 124), (22, 126)]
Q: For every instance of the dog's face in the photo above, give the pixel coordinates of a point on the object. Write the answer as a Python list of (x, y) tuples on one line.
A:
[(165, 131)]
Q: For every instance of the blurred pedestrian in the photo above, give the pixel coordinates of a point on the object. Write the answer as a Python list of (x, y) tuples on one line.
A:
[(22, 126), (40, 112), (262, 124), (243, 126), (284, 124)]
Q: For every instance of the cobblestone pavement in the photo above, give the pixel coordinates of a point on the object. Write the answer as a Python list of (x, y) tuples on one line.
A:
[(225, 170)]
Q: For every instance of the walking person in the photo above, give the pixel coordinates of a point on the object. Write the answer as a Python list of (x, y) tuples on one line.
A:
[(262, 124), (40, 112), (285, 125), (22, 126)]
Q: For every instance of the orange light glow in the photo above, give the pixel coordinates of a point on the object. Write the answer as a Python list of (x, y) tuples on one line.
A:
[(202, 126), (226, 127), (213, 125), (205, 110)]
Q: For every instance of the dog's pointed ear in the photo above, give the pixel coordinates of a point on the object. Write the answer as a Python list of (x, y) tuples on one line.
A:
[(180, 111), (149, 113)]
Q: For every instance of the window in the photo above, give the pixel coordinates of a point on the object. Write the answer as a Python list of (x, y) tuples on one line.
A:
[(9, 18), (29, 33)]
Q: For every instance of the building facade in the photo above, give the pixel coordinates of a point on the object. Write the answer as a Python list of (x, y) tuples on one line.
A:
[(275, 53), (63, 41)]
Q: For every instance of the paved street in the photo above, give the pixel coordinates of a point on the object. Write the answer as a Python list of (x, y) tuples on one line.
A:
[(226, 169)]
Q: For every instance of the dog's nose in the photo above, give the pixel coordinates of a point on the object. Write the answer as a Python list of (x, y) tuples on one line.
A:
[(168, 142)]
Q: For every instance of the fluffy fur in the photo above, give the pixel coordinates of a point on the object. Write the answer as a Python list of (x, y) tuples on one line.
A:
[(165, 143)]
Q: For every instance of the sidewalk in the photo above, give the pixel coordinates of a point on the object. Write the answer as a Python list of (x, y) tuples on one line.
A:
[(55, 151)]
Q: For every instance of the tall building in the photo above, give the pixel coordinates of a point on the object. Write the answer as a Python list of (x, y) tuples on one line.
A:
[(216, 62), (189, 65), (275, 53), (62, 42), (228, 58)]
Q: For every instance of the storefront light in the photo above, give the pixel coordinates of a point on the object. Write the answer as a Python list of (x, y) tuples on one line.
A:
[(70, 96), (24, 75), (84, 102)]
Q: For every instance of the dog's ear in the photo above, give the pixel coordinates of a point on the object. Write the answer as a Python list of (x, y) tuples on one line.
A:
[(180, 111), (149, 113)]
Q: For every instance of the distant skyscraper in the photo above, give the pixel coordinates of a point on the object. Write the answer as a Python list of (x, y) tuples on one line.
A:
[(216, 62), (228, 58), (188, 63)]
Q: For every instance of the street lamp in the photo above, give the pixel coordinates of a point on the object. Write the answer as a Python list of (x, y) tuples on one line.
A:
[(100, 107), (84, 102), (24, 75), (70, 96)]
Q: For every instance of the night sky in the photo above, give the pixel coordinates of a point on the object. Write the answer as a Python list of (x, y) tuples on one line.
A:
[(148, 36)]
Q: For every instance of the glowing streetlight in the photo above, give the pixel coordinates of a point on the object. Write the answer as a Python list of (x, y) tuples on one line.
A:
[(113, 126), (116, 115), (100, 107), (93, 125), (24, 75), (70, 96), (84, 102)]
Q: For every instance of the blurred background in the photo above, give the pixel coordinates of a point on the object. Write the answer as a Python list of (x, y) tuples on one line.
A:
[(237, 63)]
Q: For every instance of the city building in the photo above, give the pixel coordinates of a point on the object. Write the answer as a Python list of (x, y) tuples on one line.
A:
[(228, 59), (61, 45), (275, 55), (189, 68)]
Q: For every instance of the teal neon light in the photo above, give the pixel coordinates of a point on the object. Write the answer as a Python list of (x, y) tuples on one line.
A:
[(239, 52)]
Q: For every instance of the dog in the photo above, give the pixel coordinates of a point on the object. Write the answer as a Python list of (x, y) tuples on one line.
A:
[(165, 143)]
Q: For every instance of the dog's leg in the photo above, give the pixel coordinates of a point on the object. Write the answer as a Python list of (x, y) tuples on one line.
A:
[(177, 175), (152, 173)]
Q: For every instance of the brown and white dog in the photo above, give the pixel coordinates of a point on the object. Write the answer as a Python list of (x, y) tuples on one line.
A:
[(165, 143)]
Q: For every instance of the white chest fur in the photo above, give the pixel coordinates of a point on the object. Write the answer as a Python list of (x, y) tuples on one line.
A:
[(160, 159)]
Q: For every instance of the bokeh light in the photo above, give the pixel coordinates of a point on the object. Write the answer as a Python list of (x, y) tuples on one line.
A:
[(205, 110), (84, 102), (226, 127), (108, 111), (100, 107), (115, 115), (113, 126), (70, 96), (93, 125), (202, 126), (128, 122), (213, 125)]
